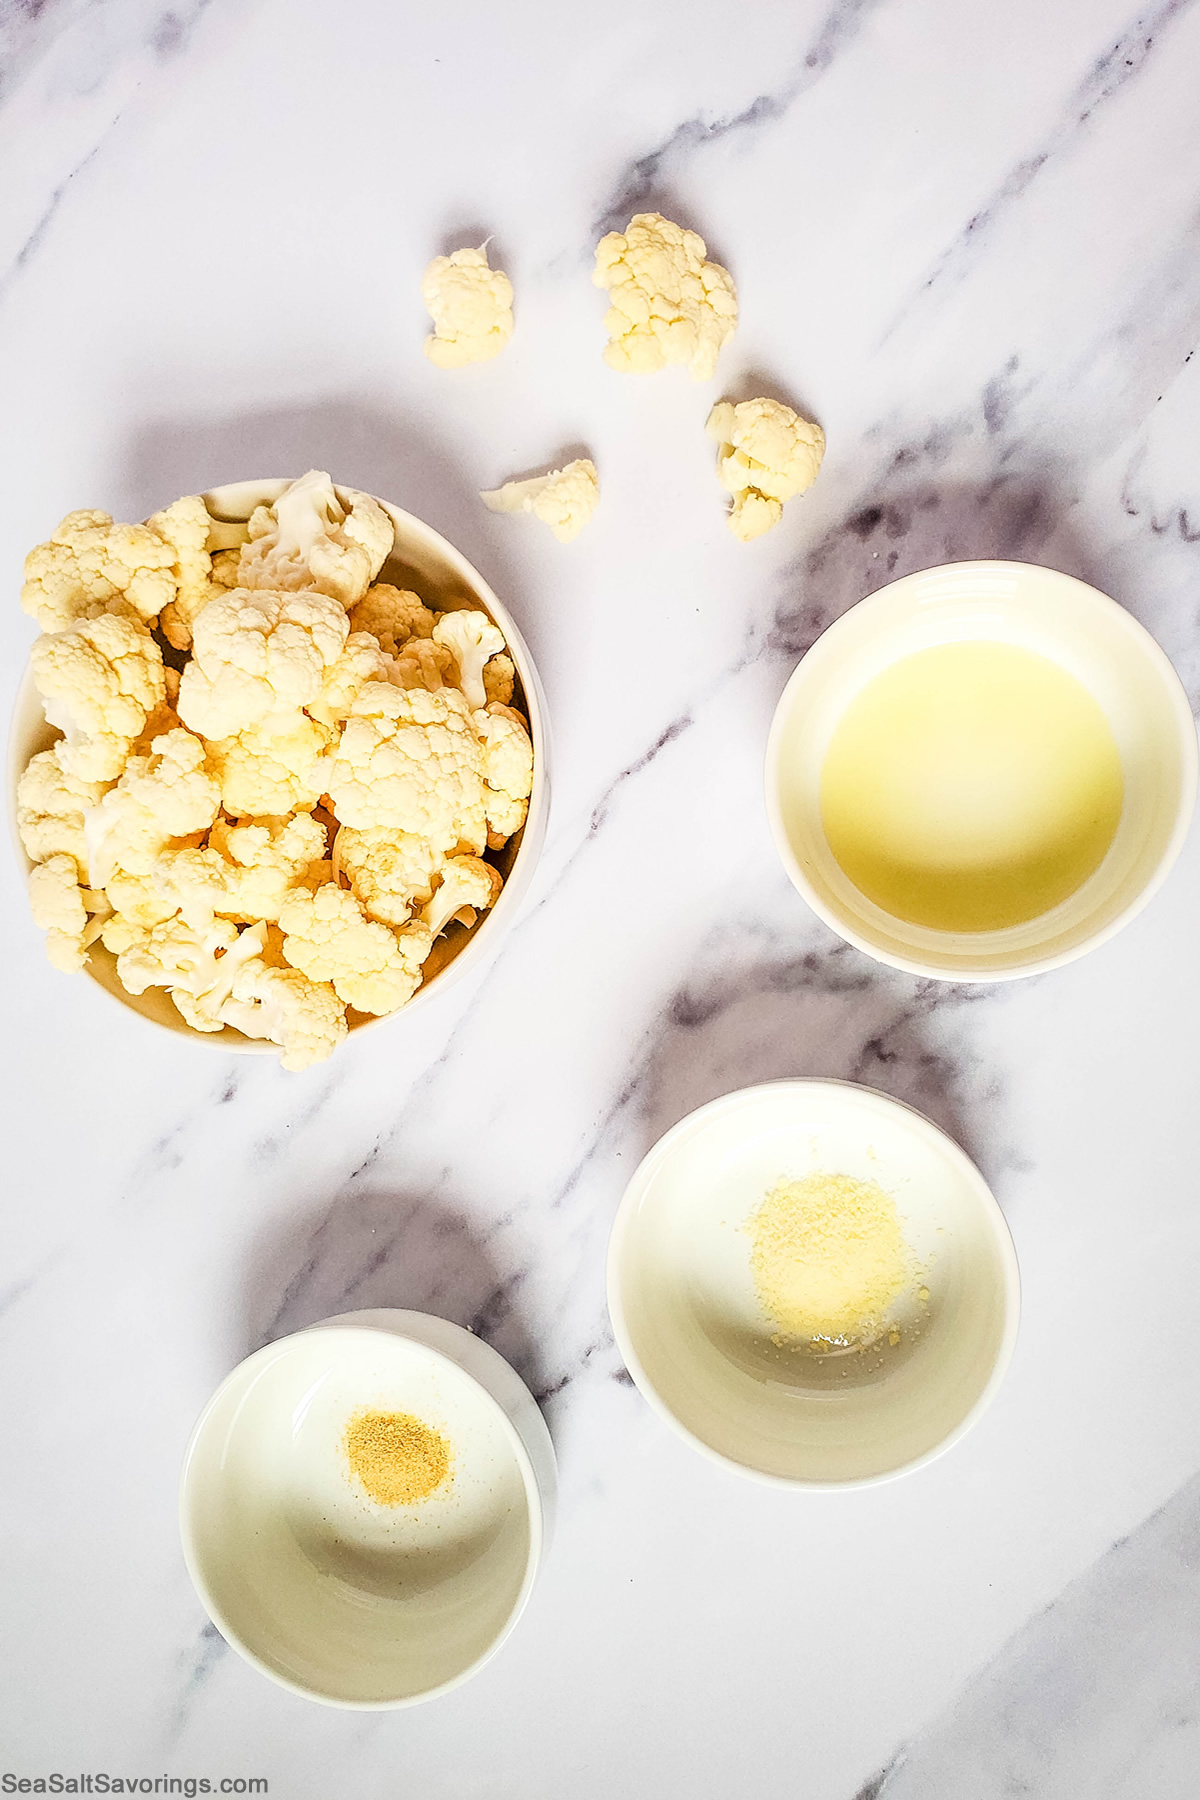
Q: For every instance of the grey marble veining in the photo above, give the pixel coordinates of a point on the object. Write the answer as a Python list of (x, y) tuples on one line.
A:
[(1095, 1699)]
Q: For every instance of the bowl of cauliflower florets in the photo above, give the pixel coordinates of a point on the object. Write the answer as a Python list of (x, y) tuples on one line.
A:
[(278, 765)]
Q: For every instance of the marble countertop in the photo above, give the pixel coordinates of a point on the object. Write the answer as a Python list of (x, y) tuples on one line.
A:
[(965, 239)]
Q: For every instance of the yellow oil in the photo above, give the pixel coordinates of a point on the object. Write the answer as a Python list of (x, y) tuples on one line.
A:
[(971, 787)]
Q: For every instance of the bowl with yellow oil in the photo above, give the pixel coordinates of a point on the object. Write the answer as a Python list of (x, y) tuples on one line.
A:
[(981, 771), (813, 1284)]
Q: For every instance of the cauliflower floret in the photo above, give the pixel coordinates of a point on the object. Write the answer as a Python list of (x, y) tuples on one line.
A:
[(424, 664), (410, 760), (185, 525), (309, 539), (100, 681), (467, 887), (507, 770), (390, 872), (51, 803), (327, 936), (271, 850), (190, 883), (198, 967), (669, 304), (91, 567), (267, 774), (499, 679), (71, 916), (257, 658), (225, 569), (245, 872), (565, 499), (305, 1018), (767, 454), (167, 795), (392, 615), (138, 907), (361, 661), (471, 308), (471, 639)]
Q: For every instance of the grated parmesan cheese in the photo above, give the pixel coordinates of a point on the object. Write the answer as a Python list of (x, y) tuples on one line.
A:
[(828, 1258)]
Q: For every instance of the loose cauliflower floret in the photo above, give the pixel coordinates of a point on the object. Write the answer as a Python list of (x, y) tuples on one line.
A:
[(767, 454), (51, 803), (328, 937), (669, 303), (468, 887), (305, 1018), (163, 797), (565, 499), (471, 308), (392, 615), (499, 679), (257, 658), (72, 916), (361, 661), (267, 774), (185, 525), (410, 760), (471, 639), (391, 873), (309, 539), (507, 770), (90, 567), (100, 681)]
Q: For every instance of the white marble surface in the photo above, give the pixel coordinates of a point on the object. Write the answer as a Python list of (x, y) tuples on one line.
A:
[(965, 237)]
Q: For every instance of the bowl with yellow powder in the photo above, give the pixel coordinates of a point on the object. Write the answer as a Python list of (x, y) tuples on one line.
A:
[(982, 771), (813, 1284), (365, 1505)]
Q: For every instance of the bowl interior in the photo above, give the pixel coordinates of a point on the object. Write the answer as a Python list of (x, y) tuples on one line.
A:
[(425, 562), (1031, 608), (334, 1594), (687, 1316)]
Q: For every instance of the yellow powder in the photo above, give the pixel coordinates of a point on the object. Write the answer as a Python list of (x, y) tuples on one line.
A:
[(828, 1257), (396, 1457)]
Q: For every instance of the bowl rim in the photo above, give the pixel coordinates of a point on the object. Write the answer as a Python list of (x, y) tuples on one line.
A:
[(485, 936), (536, 1500), (913, 1119), (1174, 693)]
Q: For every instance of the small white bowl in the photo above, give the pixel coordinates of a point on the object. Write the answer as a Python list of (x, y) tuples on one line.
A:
[(425, 562), (1037, 609), (699, 1346), (329, 1593)]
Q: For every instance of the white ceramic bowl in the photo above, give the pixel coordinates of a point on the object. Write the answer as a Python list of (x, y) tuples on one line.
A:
[(1037, 609), (698, 1345), (327, 1592), (425, 562)]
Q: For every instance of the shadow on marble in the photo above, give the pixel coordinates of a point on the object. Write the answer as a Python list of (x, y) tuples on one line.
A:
[(755, 384), (474, 236), (385, 453), (747, 1015), (641, 191), (557, 458), (908, 522), (1097, 1698), (372, 1247)]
